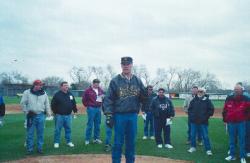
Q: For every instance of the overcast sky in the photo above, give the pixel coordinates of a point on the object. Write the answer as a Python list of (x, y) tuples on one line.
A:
[(49, 37)]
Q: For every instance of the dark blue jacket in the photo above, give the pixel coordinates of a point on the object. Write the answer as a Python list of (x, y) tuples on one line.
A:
[(162, 106), (63, 103), (146, 104), (200, 110), (124, 95)]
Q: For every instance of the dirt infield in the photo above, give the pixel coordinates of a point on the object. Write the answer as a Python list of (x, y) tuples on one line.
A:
[(92, 158), (13, 109)]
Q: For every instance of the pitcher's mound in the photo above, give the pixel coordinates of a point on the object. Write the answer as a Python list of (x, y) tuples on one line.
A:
[(93, 158)]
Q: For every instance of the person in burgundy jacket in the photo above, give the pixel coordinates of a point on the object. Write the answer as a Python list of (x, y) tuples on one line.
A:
[(234, 114), (92, 99)]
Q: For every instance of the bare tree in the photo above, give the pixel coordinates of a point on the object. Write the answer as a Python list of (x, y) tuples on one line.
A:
[(108, 75), (52, 80), (13, 77), (160, 78), (171, 74), (209, 82), (79, 74), (186, 79)]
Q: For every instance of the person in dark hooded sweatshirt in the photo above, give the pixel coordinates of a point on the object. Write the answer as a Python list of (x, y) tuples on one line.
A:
[(199, 112), (163, 111), (35, 103)]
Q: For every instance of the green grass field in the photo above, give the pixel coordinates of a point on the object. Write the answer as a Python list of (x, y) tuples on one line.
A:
[(176, 102), (12, 136)]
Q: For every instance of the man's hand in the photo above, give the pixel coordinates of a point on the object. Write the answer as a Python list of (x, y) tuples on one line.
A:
[(109, 121)]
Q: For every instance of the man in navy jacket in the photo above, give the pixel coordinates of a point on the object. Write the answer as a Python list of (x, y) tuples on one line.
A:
[(62, 104)]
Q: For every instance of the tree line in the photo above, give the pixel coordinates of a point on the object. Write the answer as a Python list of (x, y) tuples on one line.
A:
[(173, 79)]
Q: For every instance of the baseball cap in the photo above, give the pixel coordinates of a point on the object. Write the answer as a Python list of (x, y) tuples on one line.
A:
[(126, 60), (96, 81), (37, 82)]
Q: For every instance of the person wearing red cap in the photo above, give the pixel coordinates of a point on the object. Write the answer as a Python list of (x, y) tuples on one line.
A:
[(35, 104)]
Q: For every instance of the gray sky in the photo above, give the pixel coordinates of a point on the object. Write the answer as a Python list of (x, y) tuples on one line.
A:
[(50, 37)]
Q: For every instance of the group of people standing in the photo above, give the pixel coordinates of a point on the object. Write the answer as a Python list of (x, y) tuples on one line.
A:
[(121, 104)]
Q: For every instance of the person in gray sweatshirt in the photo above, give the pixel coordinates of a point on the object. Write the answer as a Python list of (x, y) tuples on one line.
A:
[(35, 104)]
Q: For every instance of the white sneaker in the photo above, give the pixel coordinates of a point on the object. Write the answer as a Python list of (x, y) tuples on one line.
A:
[(209, 153), (97, 141), (152, 137), (56, 145), (248, 154), (159, 145), (70, 144), (228, 152), (86, 142), (192, 149), (230, 158), (169, 146), (243, 160), (144, 137)]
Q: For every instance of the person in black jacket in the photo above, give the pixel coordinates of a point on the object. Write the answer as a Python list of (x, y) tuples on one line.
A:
[(199, 111), (2, 110), (163, 111), (147, 112), (62, 104)]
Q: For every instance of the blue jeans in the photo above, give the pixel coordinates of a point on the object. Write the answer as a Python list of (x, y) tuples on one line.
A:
[(62, 121), (233, 129), (199, 138), (149, 122), (125, 126), (108, 135), (160, 124), (94, 117), (248, 136), (204, 135), (36, 121)]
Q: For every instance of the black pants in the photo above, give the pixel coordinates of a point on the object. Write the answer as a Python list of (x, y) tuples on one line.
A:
[(160, 124)]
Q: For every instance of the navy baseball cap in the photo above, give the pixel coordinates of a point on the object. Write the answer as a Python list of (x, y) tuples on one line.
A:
[(126, 60)]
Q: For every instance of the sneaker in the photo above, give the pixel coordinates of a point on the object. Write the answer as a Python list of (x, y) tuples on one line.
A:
[(228, 152), (56, 145), (70, 144), (152, 137), (107, 148), (169, 146), (248, 154), (209, 153), (243, 160), (24, 144), (192, 149), (159, 145), (97, 141), (230, 158), (144, 137), (86, 142)]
